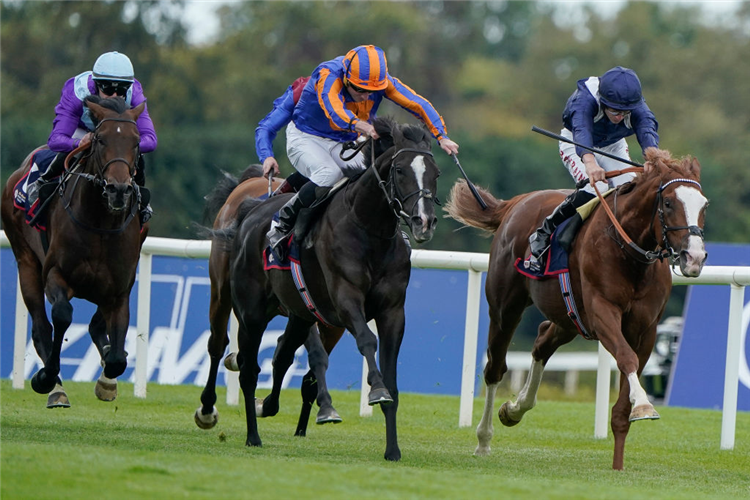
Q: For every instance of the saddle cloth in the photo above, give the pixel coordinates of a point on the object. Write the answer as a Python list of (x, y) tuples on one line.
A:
[(40, 161)]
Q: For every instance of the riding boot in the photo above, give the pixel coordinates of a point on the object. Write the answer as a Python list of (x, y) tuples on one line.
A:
[(292, 184), (54, 170), (145, 211), (540, 239), (288, 215)]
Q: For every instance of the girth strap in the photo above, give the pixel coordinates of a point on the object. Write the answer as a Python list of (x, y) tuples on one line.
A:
[(570, 305), (299, 282)]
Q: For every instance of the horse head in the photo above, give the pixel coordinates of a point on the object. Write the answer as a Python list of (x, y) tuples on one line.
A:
[(114, 149), (680, 207), (412, 174)]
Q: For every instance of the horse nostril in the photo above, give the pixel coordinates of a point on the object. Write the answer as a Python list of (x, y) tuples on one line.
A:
[(416, 221)]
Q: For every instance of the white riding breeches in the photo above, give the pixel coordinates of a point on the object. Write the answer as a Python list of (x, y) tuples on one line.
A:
[(317, 158), (577, 169)]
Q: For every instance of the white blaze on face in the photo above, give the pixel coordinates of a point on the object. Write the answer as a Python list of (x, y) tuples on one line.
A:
[(420, 169), (118, 129), (693, 202)]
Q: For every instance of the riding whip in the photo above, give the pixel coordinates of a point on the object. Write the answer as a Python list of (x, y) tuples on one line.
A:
[(270, 183), (534, 128), (468, 182)]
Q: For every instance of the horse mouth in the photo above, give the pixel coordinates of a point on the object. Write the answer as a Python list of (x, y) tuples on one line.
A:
[(691, 264)]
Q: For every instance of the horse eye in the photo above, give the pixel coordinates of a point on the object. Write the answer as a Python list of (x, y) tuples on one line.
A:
[(668, 203), (399, 170)]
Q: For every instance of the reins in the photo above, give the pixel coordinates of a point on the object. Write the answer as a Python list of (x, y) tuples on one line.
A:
[(98, 180), (667, 251), (395, 199)]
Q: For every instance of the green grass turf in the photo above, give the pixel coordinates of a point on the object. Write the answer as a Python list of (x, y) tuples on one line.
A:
[(136, 448)]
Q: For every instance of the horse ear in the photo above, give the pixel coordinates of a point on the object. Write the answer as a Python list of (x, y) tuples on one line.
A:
[(96, 110), (136, 111), (695, 168)]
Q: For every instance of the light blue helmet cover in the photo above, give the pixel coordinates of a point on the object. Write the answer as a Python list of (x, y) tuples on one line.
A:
[(114, 66)]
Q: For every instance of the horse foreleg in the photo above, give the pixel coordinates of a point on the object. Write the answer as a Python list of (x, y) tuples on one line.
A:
[(105, 388), (391, 331), (117, 318), (58, 293)]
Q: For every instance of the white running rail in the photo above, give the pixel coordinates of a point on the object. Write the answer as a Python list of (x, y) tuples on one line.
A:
[(475, 263)]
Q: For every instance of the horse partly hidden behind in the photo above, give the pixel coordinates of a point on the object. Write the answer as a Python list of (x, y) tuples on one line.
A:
[(356, 269), (620, 290), (94, 239), (224, 201)]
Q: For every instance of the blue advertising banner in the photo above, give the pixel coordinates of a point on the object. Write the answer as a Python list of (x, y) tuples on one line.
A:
[(697, 378), (429, 362)]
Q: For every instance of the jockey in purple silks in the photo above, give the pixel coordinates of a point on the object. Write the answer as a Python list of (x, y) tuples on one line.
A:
[(112, 76), (601, 113)]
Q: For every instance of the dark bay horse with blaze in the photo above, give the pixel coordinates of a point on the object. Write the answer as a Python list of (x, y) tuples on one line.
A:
[(224, 201), (620, 293), (94, 240), (357, 269)]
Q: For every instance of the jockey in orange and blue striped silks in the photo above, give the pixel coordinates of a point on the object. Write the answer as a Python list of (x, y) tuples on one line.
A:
[(337, 105)]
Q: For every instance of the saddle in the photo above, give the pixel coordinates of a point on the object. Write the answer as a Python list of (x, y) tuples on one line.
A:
[(561, 243)]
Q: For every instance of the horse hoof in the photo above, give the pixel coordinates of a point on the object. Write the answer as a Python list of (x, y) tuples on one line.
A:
[(643, 412), (327, 416), (43, 384), (379, 397), (504, 416), (482, 451), (230, 362), (105, 389), (57, 398), (206, 421)]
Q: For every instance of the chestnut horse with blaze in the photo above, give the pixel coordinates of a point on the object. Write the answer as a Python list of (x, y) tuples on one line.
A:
[(225, 200), (620, 290)]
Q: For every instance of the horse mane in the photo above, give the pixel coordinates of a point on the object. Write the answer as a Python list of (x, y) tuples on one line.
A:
[(116, 104), (385, 127), (663, 161), (219, 195), (252, 171)]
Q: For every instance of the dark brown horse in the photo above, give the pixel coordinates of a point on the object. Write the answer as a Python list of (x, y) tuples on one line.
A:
[(620, 293), (357, 268), (94, 240), (225, 200)]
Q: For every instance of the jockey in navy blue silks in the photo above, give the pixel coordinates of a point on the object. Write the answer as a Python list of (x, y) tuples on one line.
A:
[(601, 113)]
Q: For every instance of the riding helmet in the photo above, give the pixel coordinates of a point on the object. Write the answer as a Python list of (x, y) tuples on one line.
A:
[(366, 67), (114, 66), (620, 89)]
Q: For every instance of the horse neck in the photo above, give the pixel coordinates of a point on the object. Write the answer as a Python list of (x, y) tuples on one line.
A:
[(635, 214), (369, 206)]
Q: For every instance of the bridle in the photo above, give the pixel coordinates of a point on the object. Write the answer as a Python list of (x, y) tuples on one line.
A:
[(98, 179), (666, 252), (396, 199)]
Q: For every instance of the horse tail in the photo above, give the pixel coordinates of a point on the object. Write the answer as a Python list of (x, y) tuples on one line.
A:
[(463, 207), (218, 196)]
